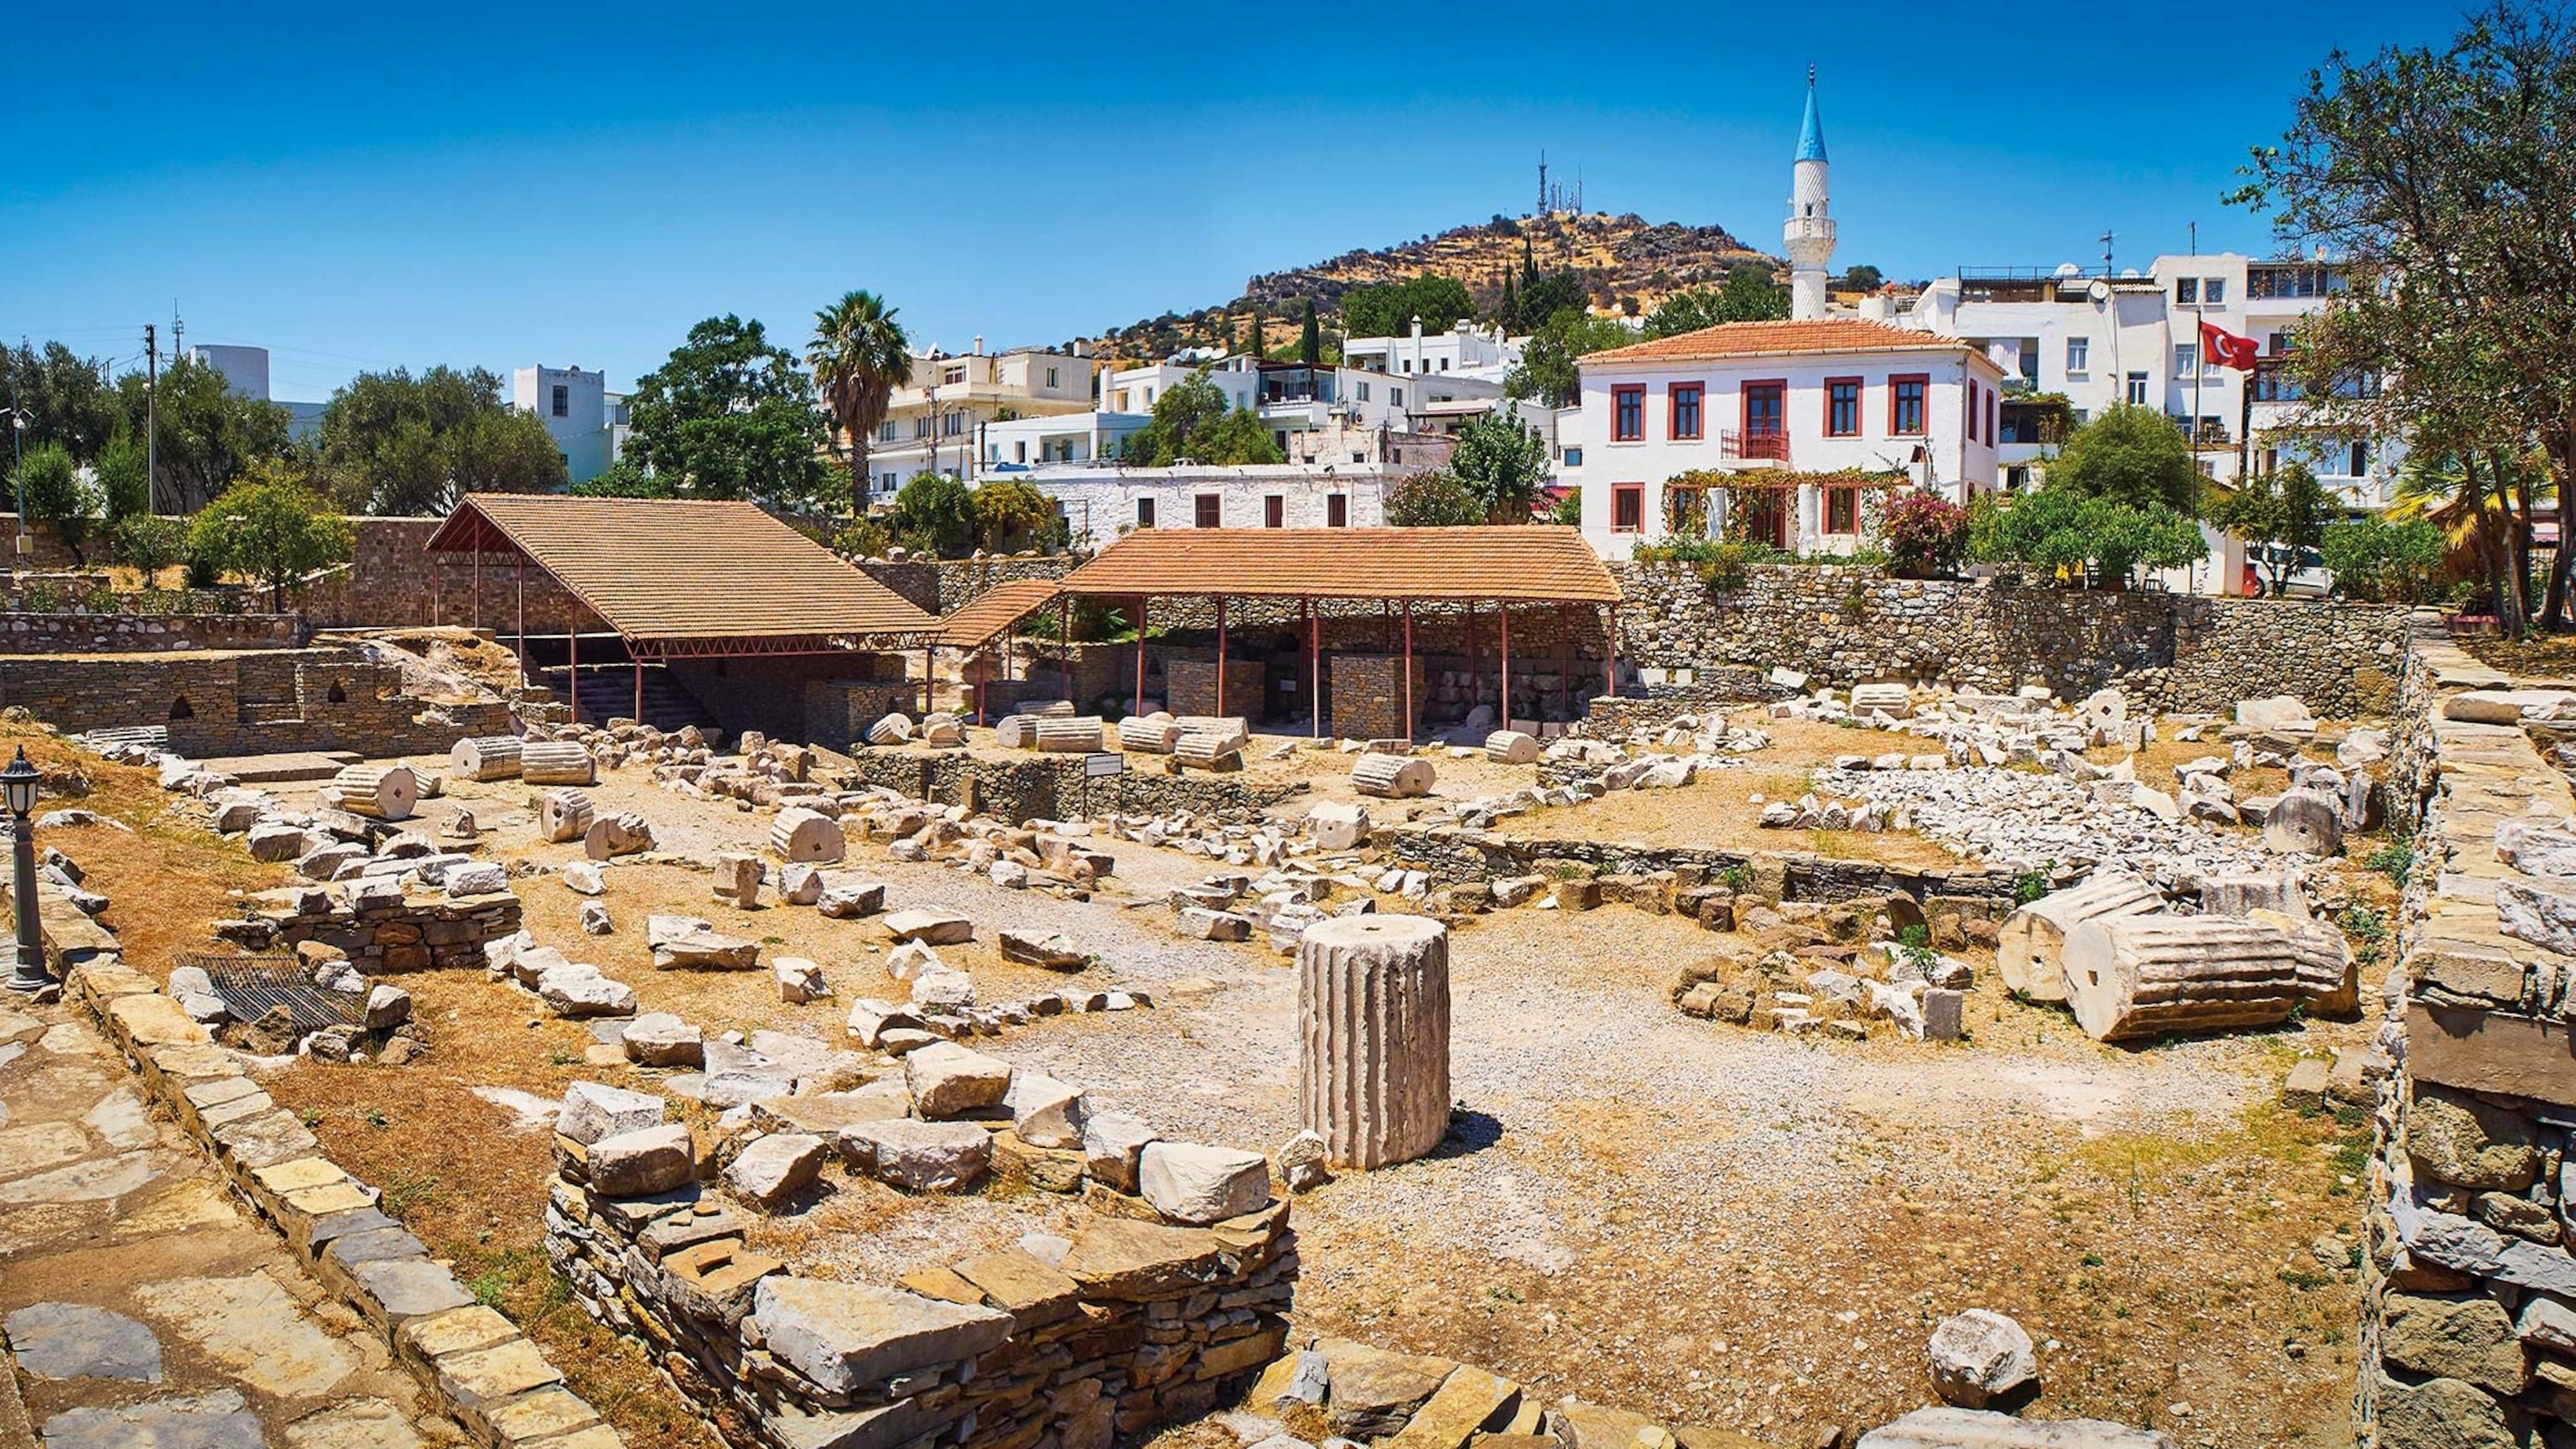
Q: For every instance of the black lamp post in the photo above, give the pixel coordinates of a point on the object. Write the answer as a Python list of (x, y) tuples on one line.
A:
[(18, 792)]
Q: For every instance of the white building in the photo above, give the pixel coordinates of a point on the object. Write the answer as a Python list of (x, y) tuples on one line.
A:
[(2099, 339), (1293, 398), (937, 422), (586, 420), (245, 373), (1100, 503), (1814, 415), (1792, 408), (1465, 350)]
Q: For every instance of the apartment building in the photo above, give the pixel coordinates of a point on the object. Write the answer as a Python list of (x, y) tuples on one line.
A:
[(1805, 413), (1293, 398), (586, 420), (2098, 339), (1099, 503), (1465, 350), (936, 421)]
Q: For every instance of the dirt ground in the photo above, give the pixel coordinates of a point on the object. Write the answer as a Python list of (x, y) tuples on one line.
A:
[(1695, 1220)]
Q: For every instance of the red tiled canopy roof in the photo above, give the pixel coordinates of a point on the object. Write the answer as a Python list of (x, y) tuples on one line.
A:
[(1532, 563), (1780, 339), (666, 570)]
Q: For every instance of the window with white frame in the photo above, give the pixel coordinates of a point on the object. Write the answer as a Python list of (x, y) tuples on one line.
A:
[(2138, 389), (2079, 358), (2186, 291), (2213, 291), (2186, 358)]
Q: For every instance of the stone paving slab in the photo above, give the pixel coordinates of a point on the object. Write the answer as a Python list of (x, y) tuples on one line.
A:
[(139, 1304)]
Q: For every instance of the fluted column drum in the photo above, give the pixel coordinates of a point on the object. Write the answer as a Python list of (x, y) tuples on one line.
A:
[(1373, 1037)]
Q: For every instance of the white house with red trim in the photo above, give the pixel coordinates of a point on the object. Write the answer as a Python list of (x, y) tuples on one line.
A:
[(1811, 414)]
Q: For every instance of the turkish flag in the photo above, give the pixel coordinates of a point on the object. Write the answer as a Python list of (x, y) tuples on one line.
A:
[(2222, 348)]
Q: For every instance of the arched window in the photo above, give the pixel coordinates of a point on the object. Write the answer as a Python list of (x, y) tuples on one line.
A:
[(339, 694), (181, 709)]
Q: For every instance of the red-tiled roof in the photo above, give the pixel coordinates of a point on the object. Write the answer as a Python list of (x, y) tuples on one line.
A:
[(1531, 563), (991, 613), (658, 569), (1780, 339)]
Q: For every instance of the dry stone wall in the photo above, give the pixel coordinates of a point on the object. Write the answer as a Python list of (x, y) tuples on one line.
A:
[(83, 633), (1053, 787), (2469, 1325), (1132, 1324), (1852, 623)]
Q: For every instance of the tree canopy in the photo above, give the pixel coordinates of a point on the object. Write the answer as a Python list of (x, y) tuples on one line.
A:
[(208, 433), (2440, 180), (272, 527), (2288, 507), (396, 443), (1500, 462), (2131, 455), (729, 415), (1387, 309), (66, 397), (860, 355), (1191, 421), (1543, 298), (1548, 369), (2057, 529), (50, 489), (1749, 294), (935, 514)]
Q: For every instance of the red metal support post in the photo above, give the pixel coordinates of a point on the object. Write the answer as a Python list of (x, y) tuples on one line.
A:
[(1505, 721), (1220, 656), (520, 642), (639, 691), (572, 665), (1142, 603)]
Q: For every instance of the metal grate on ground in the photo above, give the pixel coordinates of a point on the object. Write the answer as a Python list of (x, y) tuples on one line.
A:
[(253, 986)]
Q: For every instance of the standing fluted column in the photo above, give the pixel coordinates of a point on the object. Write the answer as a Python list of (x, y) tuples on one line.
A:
[(1373, 1029)]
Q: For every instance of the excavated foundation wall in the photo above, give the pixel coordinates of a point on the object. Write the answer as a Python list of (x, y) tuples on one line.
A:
[(2469, 1323)]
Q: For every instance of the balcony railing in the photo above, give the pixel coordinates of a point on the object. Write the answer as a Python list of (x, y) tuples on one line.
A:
[(1763, 445)]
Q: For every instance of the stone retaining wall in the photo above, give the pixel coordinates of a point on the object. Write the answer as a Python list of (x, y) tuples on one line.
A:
[(473, 1363), (2177, 652), (2469, 1323), (1136, 1325), (1053, 787), (941, 586), (237, 702), (31, 633), (389, 931), (1455, 854)]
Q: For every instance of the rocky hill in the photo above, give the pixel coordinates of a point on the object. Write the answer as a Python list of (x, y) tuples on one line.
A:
[(1623, 261)]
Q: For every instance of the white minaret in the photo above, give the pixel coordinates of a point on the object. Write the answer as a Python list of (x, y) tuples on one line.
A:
[(1809, 233)]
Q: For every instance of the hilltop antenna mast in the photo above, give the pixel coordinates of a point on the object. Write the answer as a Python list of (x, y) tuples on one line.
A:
[(1542, 182), (1578, 188)]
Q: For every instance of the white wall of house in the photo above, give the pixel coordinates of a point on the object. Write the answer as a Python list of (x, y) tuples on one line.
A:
[(573, 404), (1942, 456), (1100, 504), (1465, 350), (2135, 338)]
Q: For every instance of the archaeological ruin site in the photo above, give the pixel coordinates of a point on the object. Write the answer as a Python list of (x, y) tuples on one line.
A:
[(600, 972)]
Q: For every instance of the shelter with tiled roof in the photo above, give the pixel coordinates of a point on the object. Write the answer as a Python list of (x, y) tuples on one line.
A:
[(737, 613), (1367, 584)]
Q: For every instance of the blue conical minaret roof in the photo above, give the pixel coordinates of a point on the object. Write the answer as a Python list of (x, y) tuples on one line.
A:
[(1811, 132)]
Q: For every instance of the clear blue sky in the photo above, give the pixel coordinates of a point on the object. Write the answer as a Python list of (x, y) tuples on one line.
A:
[(358, 186)]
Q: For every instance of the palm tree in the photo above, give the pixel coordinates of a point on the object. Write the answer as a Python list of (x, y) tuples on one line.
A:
[(859, 356)]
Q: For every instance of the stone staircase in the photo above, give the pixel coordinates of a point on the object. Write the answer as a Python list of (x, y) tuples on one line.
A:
[(608, 691)]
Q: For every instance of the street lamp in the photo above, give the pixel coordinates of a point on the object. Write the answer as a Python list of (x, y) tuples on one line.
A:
[(18, 792)]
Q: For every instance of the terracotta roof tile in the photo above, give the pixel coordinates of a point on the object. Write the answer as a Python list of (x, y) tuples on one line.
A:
[(1771, 339), (659, 569), (1531, 563), (992, 612)]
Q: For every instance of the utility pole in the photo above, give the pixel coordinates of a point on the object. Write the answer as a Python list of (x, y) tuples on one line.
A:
[(151, 417)]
